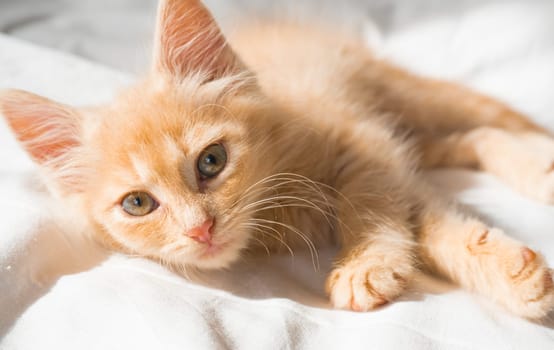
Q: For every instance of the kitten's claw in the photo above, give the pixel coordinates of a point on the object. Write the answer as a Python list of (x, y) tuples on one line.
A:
[(363, 285)]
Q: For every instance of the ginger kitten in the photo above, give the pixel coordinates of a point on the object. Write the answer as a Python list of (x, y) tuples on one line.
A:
[(297, 138)]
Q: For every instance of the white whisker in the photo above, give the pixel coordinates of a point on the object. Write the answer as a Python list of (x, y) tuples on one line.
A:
[(311, 246)]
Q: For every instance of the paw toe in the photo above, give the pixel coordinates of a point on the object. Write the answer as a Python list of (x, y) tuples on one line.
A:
[(535, 294), (362, 287)]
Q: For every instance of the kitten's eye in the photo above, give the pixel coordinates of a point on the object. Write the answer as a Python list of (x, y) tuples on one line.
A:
[(212, 160), (139, 204)]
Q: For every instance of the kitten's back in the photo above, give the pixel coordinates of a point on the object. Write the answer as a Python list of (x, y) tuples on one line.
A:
[(303, 67)]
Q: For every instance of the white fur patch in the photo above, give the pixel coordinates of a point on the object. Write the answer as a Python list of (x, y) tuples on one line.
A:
[(172, 150), (141, 168)]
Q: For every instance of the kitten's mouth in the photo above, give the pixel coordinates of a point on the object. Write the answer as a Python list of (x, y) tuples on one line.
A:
[(213, 249)]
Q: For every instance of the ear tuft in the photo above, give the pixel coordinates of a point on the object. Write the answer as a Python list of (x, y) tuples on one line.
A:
[(189, 41)]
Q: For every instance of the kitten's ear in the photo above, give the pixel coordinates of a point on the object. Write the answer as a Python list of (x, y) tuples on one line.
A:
[(188, 40), (48, 131)]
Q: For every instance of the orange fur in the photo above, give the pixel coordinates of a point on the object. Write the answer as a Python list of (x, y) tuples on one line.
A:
[(315, 132)]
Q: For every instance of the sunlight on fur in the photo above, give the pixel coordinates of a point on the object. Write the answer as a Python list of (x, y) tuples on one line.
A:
[(300, 138)]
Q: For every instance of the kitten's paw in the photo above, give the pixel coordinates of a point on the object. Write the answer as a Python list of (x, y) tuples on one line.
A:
[(524, 284), (535, 167), (539, 182), (525, 161), (365, 284), (530, 281)]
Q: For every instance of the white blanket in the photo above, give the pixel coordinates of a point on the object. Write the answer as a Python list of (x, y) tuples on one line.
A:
[(57, 291)]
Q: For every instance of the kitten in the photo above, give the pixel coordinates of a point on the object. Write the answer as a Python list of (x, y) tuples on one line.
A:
[(294, 140)]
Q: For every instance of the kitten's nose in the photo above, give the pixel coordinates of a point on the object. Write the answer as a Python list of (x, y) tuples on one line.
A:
[(202, 233)]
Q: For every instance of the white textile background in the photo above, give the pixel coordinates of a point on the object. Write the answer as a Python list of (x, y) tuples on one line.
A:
[(59, 292)]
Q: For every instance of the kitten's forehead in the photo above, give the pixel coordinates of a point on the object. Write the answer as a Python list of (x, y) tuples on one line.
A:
[(162, 147), (165, 121), (174, 147), (154, 135)]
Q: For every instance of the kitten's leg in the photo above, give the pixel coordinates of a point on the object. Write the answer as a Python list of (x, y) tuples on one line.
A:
[(378, 255), (523, 160), (485, 260), (459, 127), (438, 107)]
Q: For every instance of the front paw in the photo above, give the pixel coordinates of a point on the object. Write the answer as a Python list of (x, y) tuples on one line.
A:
[(364, 283)]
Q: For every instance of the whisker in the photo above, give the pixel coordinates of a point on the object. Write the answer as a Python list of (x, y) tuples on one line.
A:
[(326, 215), (285, 190), (304, 237), (279, 237), (263, 244)]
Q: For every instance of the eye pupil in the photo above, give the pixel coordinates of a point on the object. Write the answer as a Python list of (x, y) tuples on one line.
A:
[(137, 202), (211, 159)]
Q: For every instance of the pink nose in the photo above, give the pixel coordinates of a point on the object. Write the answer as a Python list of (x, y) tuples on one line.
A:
[(202, 233)]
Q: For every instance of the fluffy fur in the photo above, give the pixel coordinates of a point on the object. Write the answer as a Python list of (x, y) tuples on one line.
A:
[(324, 143)]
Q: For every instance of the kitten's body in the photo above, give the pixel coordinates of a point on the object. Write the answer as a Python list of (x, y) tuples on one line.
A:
[(323, 142)]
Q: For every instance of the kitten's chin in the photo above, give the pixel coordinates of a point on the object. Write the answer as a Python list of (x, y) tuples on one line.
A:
[(218, 256)]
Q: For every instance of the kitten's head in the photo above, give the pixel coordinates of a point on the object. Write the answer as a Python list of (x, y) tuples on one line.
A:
[(169, 169)]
